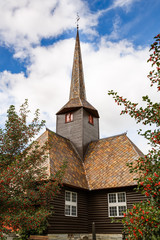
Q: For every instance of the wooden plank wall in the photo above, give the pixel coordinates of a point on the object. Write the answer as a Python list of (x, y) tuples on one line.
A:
[(90, 132), (98, 209), (79, 131), (92, 207), (72, 130), (59, 223)]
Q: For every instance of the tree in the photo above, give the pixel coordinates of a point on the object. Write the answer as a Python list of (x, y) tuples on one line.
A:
[(25, 187), (143, 220)]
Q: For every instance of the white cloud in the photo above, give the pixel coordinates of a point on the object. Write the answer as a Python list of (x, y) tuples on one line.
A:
[(124, 3), (23, 23), (116, 32), (118, 66)]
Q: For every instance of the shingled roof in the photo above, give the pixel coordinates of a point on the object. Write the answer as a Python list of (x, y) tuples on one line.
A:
[(62, 150), (104, 163), (76, 103)]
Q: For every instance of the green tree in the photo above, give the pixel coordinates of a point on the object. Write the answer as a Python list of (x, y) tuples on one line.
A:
[(143, 220), (25, 187)]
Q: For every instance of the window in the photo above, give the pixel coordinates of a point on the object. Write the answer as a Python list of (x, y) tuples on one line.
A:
[(116, 204), (90, 119), (69, 117), (70, 204)]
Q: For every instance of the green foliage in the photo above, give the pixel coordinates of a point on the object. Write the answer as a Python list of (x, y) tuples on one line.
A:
[(25, 187), (143, 220)]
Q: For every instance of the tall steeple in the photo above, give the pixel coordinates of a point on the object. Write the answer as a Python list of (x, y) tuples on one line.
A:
[(78, 120), (77, 98), (77, 89)]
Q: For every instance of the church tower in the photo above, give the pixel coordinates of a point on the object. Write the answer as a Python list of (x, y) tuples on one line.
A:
[(78, 120)]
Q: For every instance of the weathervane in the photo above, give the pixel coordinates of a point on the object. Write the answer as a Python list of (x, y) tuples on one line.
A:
[(77, 19)]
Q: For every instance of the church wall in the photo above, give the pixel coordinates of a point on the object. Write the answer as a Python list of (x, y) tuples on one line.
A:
[(71, 130), (92, 207), (98, 209), (61, 224), (90, 132)]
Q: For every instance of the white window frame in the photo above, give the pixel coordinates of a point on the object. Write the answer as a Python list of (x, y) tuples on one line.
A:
[(116, 204), (70, 203)]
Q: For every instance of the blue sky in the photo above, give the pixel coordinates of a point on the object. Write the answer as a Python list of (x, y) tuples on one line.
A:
[(36, 53), (136, 21)]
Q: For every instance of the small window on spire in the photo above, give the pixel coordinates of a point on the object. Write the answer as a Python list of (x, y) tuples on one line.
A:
[(68, 117), (90, 119)]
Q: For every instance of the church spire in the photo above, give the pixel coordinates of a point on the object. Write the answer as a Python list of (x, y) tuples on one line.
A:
[(77, 98), (77, 89), (78, 120)]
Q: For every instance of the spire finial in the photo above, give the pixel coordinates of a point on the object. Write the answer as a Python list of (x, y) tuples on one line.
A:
[(77, 19)]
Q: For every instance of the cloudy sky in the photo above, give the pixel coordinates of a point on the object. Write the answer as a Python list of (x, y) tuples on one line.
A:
[(37, 41)]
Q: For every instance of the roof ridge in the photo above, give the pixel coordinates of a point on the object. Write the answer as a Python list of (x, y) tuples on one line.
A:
[(74, 148), (136, 149), (101, 139)]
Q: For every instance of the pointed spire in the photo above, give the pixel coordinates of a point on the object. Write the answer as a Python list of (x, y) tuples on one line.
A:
[(77, 97), (77, 89)]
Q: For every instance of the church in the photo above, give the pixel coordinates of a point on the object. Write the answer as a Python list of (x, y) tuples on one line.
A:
[(97, 184)]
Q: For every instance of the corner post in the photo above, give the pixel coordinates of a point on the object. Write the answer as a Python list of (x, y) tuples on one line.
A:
[(93, 231)]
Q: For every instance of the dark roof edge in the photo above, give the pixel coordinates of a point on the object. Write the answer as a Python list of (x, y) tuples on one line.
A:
[(76, 187), (99, 189), (74, 108), (109, 188), (64, 110)]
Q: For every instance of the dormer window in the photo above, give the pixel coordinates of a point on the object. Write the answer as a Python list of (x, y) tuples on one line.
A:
[(68, 117), (90, 119)]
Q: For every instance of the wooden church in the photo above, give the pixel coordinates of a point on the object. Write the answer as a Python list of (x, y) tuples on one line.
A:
[(97, 182)]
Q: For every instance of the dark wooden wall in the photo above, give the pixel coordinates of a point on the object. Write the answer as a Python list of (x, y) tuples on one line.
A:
[(59, 223), (92, 207), (71, 130), (90, 132), (98, 209), (80, 132)]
